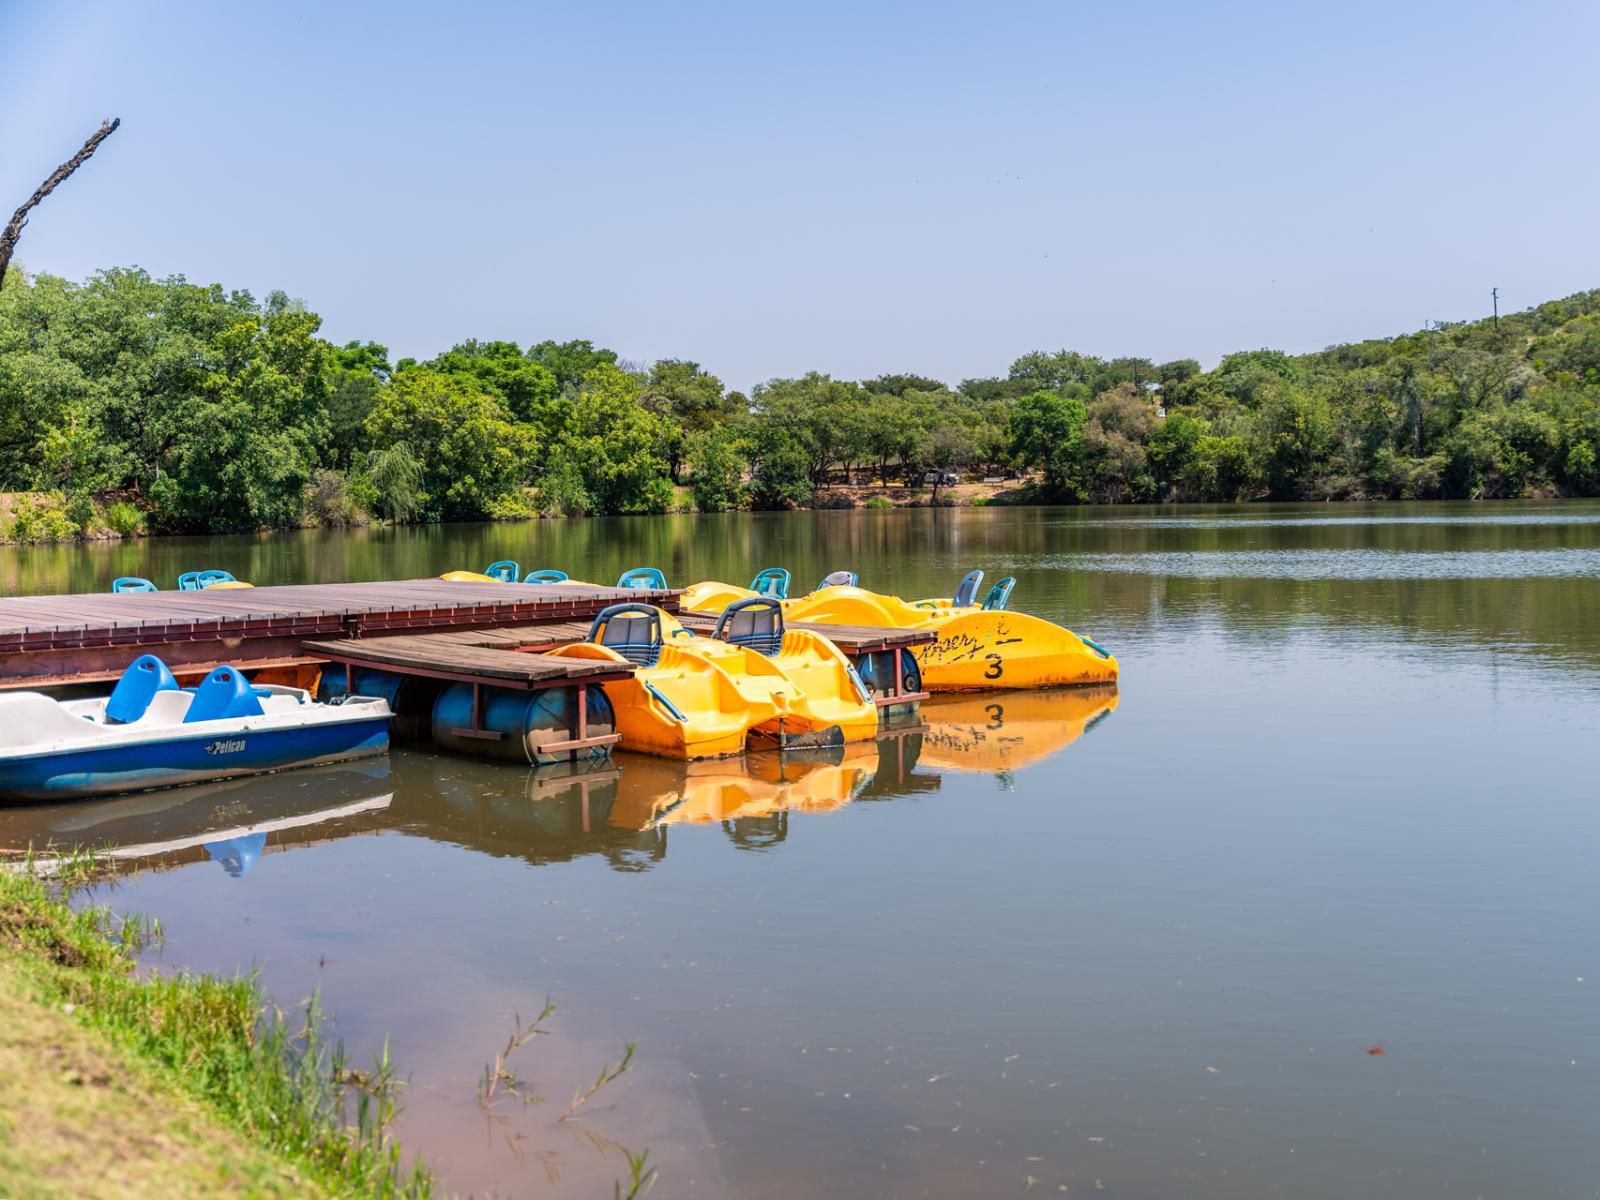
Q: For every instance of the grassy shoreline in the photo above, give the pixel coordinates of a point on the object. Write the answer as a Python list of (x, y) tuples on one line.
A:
[(116, 1083)]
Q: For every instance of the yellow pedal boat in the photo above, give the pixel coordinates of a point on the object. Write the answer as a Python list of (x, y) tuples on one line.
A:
[(979, 646), (809, 677), (675, 704), (1005, 733), (712, 596), (506, 571), (708, 697)]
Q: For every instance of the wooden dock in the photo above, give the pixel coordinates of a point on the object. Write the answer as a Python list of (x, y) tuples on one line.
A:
[(53, 640), (483, 660), (448, 655)]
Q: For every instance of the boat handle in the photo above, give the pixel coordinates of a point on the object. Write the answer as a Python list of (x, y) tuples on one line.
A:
[(666, 704)]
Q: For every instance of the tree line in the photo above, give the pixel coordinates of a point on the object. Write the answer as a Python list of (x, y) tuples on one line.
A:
[(208, 410)]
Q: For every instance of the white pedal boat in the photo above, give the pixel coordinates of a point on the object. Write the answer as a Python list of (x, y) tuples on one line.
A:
[(150, 733)]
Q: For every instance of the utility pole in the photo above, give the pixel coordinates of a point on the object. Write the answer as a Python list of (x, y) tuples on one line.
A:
[(1494, 294)]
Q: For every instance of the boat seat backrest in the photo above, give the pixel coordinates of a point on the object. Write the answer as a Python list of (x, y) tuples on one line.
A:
[(643, 577), (774, 581), (132, 583), (1000, 594), (839, 579), (168, 708), (632, 630), (146, 676), (205, 579), (505, 571), (223, 695), (756, 624), (967, 593), (189, 581), (545, 576), (30, 717)]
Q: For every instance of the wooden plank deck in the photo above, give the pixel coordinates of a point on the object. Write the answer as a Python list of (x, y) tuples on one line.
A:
[(48, 640), (25, 620), (462, 656)]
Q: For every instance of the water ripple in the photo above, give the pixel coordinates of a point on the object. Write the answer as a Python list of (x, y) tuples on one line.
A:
[(1562, 517), (1340, 564)]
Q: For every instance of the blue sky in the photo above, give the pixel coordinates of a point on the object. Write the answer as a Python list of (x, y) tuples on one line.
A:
[(853, 188)]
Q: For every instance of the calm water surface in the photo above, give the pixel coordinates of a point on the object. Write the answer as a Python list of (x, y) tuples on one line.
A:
[(1133, 943)]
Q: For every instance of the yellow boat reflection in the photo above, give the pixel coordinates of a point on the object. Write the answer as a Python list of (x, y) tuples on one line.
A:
[(1005, 731), (656, 792)]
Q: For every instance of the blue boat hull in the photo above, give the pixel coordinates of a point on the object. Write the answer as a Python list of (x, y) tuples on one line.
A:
[(107, 770)]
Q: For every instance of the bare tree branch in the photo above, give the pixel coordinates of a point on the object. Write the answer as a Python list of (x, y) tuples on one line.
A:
[(13, 229)]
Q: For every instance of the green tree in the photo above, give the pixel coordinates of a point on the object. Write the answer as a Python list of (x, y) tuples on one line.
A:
[(528, 388), (948, 447), (1120, 421), (824, 417), (717, 470), (473, 455), (245, 446), (690, 399), (570, 361), (780, 474), (1221, 469), (397, 481), (609, 459), (1293, 432), (1171, 450), (1047, 433), (891, 429), (358, 371)]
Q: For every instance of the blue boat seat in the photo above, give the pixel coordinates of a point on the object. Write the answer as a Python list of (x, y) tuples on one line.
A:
[(132, 583), (1000, 594), (223, 695), (774, 581), (505, 571), (546, 576), (756, 623), (632, 630), (195, 581), (129, 700), (967, 594), (237, 855), (839, 579), (643, 577)]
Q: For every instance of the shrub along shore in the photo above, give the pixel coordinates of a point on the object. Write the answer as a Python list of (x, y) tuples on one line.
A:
[(132, 404), (118, 1084)]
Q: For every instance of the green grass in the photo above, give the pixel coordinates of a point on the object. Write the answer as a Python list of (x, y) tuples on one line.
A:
[(207, 1090)]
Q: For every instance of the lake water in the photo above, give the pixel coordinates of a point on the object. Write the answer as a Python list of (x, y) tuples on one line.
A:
[(1137, 944)]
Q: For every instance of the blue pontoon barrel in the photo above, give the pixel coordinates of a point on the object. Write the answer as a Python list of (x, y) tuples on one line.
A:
[(525, 721)]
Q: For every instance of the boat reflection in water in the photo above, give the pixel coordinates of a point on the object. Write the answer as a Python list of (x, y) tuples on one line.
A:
[(233, 822), (1001, 732), (621, 811), (758, 785)]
